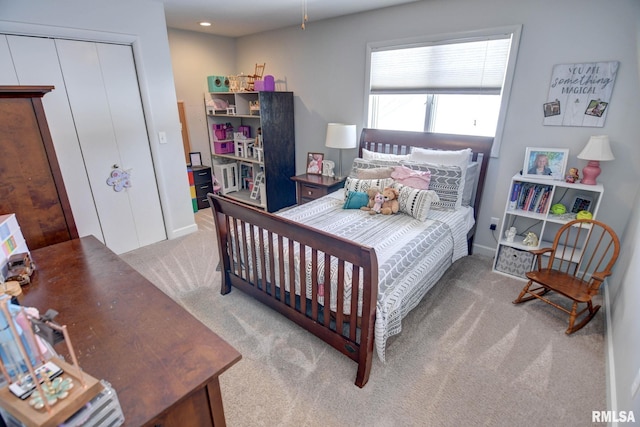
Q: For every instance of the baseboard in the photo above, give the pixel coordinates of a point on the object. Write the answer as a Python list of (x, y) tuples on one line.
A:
[(612, 399), (174, 234), (484, 250)]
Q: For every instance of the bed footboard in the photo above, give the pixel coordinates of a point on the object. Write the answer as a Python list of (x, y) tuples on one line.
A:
[(325, 284)]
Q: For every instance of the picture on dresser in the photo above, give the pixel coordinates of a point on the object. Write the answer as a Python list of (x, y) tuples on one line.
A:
[(314, 163), (195, 158)]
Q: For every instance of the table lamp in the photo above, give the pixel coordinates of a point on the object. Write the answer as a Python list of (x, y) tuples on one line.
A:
[(341, 136), (597, 150)]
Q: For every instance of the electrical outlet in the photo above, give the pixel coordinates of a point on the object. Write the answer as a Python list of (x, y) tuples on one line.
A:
[(494, 223)]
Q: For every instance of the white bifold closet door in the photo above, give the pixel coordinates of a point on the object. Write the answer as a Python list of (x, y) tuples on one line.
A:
[(97, 122)]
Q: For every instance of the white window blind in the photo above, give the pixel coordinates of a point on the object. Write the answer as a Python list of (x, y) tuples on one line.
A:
[(473, 67)]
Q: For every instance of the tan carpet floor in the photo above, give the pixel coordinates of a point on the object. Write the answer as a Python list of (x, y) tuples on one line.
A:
[(466, 355)]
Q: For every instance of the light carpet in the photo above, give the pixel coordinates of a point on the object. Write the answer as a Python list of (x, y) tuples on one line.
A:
[(466, 355)]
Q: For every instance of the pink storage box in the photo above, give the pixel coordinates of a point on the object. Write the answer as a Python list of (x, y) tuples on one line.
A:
[(223, 147)]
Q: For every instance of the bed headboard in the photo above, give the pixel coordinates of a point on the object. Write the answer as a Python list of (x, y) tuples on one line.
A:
[(400, 142)]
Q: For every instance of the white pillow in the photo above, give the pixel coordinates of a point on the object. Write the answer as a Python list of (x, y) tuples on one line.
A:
[(442, 157), (372, 155), (415, 202)]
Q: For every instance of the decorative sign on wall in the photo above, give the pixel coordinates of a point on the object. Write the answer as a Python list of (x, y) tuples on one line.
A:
[(579, 94)]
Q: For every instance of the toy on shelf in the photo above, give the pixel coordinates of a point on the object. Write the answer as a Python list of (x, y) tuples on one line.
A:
[(256, 77), (530, 239), (215, 105), (243, 145), (510, 234), (43, 390), (254, 107), (573, 176)]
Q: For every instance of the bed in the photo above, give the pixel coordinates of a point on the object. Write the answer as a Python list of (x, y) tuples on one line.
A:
[(341, 273)]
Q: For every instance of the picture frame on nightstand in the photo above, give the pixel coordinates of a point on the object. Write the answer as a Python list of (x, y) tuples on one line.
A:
[(314, 163)]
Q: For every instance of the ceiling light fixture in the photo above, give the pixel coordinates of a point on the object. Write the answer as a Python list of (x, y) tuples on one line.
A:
[(204, 24), (305, 17)]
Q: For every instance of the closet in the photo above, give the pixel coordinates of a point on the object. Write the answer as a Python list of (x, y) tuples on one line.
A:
[(97, 126)]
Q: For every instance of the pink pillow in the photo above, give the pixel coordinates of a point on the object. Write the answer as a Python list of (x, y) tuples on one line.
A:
[(411, 178)]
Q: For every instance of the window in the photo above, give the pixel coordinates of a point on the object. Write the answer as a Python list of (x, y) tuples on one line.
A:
[(456, 84)]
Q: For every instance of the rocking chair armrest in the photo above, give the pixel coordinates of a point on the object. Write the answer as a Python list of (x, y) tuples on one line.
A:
[(538, 253), (597, 279), (600, 276)]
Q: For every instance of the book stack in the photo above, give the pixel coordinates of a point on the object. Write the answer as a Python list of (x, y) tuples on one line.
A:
[(530, 197)]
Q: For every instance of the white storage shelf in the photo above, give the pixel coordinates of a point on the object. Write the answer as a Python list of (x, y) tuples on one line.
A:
[(541, 221)]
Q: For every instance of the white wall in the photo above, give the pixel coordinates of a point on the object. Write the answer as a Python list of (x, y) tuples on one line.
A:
[(325, 67), (141, 22), (624, 295), (194, 57)]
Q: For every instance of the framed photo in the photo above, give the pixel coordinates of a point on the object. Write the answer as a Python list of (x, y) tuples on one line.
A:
[(195, 158), (546, 163), (552, 108), (314, 163), (596, 108), (581, 203)]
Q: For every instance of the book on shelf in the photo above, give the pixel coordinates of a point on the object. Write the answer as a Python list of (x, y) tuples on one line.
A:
[(530, 197), (515, 192)]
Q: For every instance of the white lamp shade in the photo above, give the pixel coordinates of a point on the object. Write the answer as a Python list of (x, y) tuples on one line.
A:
[(597, 148), (340, 135)]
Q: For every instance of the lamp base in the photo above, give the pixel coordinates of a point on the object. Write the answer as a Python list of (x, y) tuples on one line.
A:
[(590, 172), (339, 177)]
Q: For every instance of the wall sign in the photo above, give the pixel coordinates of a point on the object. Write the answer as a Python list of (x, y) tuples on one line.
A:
[(579, 94)]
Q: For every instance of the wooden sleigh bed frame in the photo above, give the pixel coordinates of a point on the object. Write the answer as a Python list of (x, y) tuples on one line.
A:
[(245, 269)]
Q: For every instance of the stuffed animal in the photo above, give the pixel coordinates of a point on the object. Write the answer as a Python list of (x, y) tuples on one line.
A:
[(391, 204), (376, 199), (530, 239)]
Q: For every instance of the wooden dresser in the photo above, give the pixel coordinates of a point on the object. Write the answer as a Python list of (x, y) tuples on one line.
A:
[(163, 363), (32, 185)]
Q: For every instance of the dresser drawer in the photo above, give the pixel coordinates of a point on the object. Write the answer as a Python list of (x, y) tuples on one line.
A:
[(201, 175), (204, 188), (311, 192)]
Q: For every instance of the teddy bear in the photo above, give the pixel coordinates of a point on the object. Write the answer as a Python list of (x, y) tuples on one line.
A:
[(391, 204), (376, 199)]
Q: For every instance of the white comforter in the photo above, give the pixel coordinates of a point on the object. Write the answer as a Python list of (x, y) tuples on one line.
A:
[(412, 255)]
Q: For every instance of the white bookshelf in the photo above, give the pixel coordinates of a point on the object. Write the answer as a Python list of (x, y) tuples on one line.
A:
[(537, 218)]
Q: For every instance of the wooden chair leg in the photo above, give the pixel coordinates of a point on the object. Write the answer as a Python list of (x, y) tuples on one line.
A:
[(521, 298), (587, 318)]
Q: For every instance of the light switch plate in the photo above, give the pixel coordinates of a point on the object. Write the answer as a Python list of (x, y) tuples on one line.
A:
[(162, 136)]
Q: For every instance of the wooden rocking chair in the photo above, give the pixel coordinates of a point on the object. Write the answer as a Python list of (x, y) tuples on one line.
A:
[(582, 256), (257, 75)]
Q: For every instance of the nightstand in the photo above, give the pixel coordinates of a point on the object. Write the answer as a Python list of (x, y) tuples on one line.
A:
[(310, 187)]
